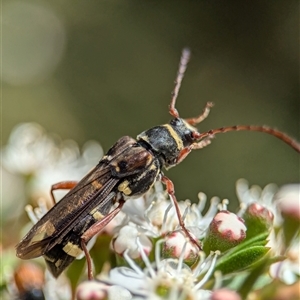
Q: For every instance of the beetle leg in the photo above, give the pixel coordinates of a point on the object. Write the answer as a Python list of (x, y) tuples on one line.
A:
[(186, 151), (205, 142), (202, 116), (170, 189), (93, 230), (64, 185), (88, 259)]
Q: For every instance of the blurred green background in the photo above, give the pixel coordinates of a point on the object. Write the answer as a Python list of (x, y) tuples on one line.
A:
[(103, 69)]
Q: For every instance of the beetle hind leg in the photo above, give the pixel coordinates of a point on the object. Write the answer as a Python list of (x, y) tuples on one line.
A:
[(93, 230)]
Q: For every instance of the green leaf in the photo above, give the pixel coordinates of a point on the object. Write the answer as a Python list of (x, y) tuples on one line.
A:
[(240, 260), (253, 276), (260, 240)]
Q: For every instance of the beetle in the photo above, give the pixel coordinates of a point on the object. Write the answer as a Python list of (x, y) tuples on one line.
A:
[(129, 169)]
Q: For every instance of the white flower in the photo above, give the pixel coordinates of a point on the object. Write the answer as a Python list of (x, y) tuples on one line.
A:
[(155, 214), (126, 240), (288, 199), (286, 241), (255, 194), (161, 262), (165, 279)]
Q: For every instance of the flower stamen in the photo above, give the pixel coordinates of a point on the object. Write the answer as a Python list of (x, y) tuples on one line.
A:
[(29, 210), (132, 264), (145, 258), (209, 271), (181, 257)]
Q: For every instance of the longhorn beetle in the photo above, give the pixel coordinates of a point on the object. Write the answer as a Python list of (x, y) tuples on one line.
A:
[(129, 169)]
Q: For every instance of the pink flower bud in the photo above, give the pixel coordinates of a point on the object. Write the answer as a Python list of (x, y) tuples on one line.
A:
[(225, 231), (177, 245), (91, 290), (258, 219), (288, 198)]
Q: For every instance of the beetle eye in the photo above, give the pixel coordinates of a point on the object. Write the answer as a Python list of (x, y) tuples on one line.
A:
[(189, 136), (173, 161), (175, 122)]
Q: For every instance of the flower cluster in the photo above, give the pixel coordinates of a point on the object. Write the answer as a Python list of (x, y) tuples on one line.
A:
[(254, 252)]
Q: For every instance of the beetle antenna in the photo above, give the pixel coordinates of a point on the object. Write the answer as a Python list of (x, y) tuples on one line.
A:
[(185, 57), (280, 135)]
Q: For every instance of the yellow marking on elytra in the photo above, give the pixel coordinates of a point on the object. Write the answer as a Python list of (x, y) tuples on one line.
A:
[(96, 214), (38, 237), (108, 157), (114, 164), (58, 263), (153, 167), (72, 249), (44, 231), (142, 175), (127, 191), (175, 136), (51, 259), (123, 187), (96, 185)]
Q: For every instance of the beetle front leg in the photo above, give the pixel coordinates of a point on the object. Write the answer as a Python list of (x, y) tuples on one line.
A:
[(93, 230), (205, 142), (186, 151), (170, 189)]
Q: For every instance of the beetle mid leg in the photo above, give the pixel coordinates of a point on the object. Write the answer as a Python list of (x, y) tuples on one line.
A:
[(170, 189), (64, 185), (93, 230)]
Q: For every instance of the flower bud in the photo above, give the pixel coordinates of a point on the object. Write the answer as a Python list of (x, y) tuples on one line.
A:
[(91, 290), (287, 199), (258, 219), (225, 231), (177, 245)]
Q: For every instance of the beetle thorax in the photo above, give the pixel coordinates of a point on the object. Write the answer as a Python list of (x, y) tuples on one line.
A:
[(168, 140)]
